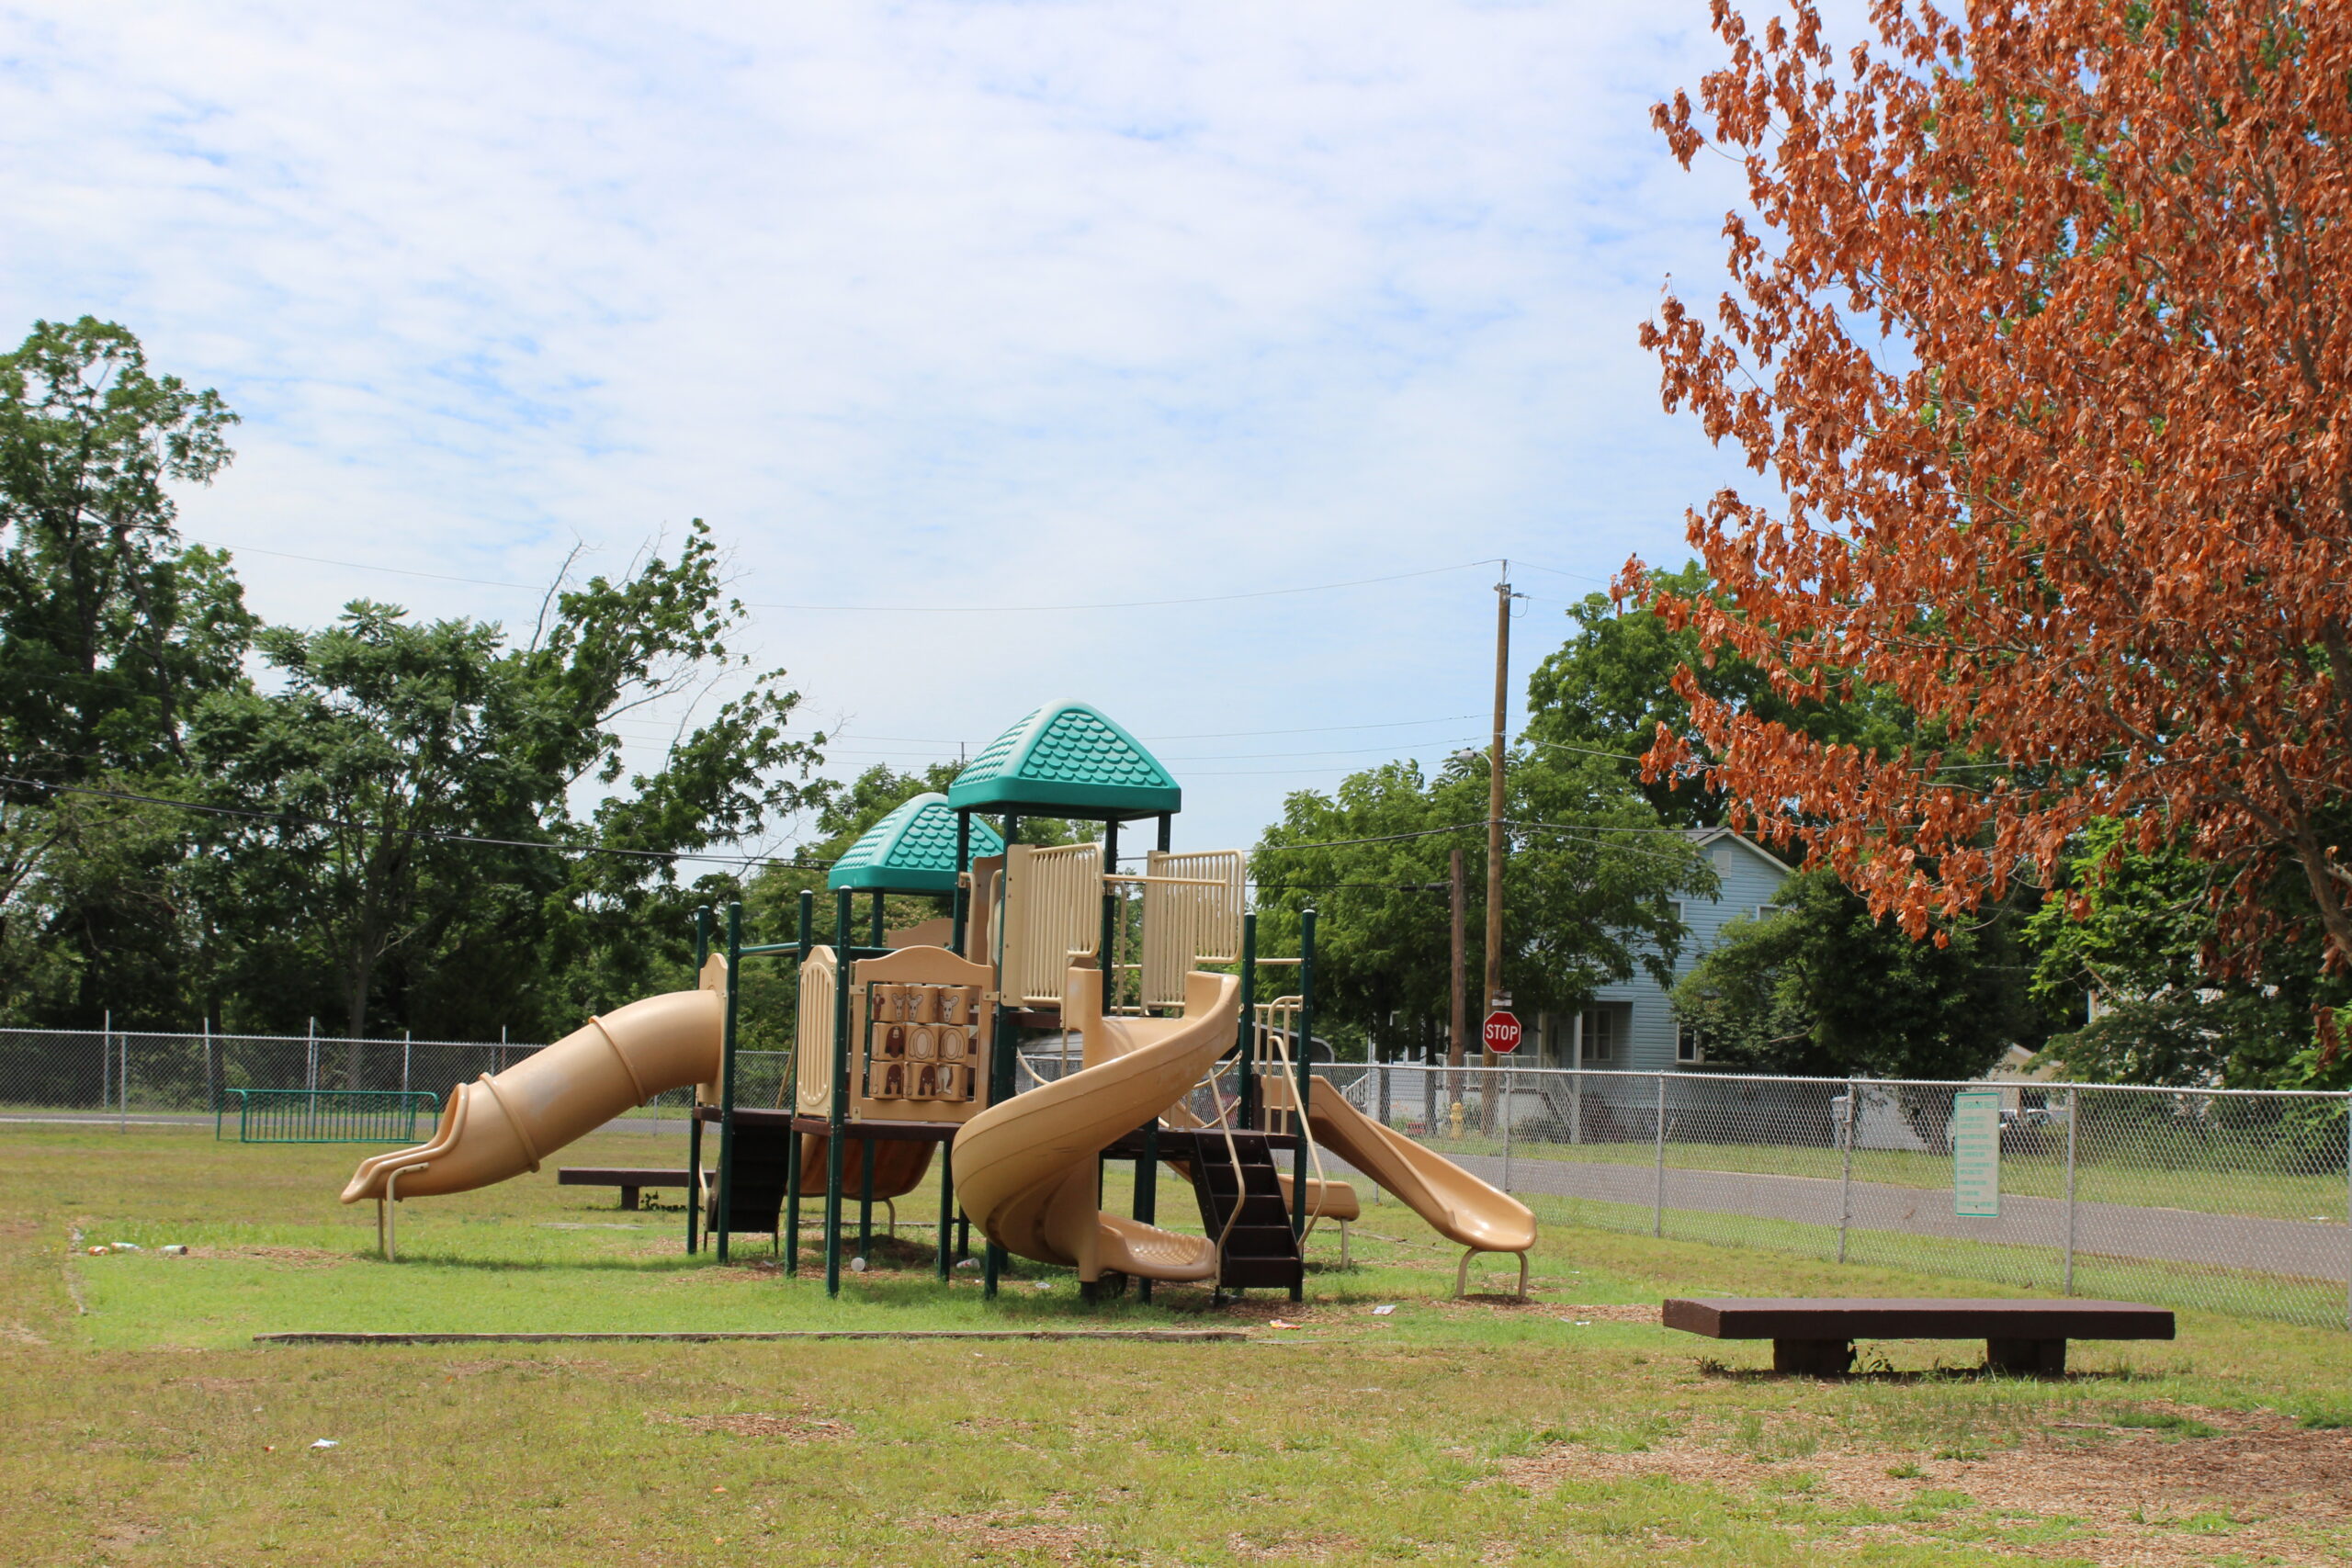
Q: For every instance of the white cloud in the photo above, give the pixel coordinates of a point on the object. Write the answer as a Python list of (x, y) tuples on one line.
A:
[(1031, 303)]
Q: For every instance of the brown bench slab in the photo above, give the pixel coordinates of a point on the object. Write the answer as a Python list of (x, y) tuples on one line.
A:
[(628, 1178), (1818, 1334)]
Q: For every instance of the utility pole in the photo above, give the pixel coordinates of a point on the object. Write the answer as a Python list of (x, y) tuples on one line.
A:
[(1494, 993), (1494, 799), (1461, 1018)]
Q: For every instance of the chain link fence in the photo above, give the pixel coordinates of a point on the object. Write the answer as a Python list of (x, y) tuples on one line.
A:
[(131, 1074), (2239, 1200)]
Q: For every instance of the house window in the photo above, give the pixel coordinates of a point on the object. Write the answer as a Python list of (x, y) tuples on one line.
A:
[(1766, 911), (1687, 1049), (1600, 1033)]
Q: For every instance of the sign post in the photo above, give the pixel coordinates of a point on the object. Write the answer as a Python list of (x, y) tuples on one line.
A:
[(1502, 1033)]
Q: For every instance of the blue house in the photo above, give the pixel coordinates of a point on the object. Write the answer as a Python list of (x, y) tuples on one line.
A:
[(1630, 1026)]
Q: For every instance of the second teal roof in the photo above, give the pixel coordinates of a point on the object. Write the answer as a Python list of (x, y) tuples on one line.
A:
[(912, 851)]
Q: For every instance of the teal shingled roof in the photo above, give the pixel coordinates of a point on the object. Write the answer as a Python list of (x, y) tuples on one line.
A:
[(912, 851), (1066, 759)]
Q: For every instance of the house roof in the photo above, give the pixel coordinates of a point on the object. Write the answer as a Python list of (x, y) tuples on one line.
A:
[(1703, 836), (1066, 759), (912, 851)]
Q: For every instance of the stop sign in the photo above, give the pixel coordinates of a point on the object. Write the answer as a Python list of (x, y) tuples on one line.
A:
[(1502, 1033)]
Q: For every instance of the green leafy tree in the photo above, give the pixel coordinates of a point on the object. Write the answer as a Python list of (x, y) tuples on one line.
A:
[(1820, 988), (399, 776), (1588, 890), (2126, 950), (110, 629)]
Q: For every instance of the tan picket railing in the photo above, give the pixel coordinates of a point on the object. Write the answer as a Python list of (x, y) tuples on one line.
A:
[(1053, 915)]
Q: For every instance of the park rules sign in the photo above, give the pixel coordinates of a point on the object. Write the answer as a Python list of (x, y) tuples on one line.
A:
[(1977, 1153)]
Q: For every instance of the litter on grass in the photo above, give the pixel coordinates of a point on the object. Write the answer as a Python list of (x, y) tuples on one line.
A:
[(1384, 1311), (327, 1443)]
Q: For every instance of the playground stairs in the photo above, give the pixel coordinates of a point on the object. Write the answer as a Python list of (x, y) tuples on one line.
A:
[(1260, 1250), (756, 1186)]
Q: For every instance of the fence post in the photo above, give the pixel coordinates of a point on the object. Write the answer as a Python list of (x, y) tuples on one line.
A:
[(121, 1081), (2072, 1116), (408, 1038), (1576, 1079), (1509, 1105), (1845, 1167), (211, 1087), (311, 1053), (1658, 1203), (2347, 1208)]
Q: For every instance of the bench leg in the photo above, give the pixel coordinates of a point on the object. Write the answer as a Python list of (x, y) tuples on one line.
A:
[(2027, 1358), (629, 1199), (1813, 1358)]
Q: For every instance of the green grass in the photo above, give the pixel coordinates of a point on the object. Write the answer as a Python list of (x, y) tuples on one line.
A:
[(148, 1429)]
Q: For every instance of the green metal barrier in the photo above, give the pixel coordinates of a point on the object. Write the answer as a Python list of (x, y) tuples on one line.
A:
[(325, 1115)]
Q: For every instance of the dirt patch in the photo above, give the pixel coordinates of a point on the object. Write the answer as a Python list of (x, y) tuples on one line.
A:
[(292, 1257), (1644, 1312), (220, 1386), (1293, 1546), (125, 1535), (759, 1424), (18, 1334), (1043, 1531), (2147, 1497)]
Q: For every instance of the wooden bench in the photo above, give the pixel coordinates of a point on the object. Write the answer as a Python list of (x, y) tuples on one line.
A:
[(630, 1179), (1817, 1335)]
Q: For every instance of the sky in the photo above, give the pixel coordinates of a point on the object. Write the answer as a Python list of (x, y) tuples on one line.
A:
[(945, 317)]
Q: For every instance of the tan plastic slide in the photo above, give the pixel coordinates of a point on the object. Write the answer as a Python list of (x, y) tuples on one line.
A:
[(1025, 1168), (1463, 1209), (503, 1125)]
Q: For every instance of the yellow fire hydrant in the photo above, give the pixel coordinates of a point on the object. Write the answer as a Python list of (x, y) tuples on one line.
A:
[(1454, 1120)]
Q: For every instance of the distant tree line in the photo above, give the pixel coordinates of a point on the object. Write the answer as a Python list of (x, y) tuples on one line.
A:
[(377, 822)]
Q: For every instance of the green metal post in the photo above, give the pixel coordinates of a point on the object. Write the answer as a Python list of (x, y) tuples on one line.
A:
[(1001, 1061), (726, 1226), (876, 928), (1303, 1064), (1245, 1070), (865, 1200), (1107, 944), (1147, 1190), (947, 1205), (805, 938), (693, 1106), (837, 1120), (963, 912)]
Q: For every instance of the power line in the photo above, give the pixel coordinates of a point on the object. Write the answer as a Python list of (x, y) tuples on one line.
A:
[(303, 820), (979, 609)]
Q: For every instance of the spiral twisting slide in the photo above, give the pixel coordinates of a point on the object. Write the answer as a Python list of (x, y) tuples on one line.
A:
[(1026, 1168)]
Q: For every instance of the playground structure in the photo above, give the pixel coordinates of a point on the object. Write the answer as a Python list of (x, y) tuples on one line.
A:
[(907, 1050)]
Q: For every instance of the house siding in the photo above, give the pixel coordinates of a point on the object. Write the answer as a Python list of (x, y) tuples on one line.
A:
[(1750, 878)]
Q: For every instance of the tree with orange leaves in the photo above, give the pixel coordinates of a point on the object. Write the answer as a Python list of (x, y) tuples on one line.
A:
[(2042, 328)]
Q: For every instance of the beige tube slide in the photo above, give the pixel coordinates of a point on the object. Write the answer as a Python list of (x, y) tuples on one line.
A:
[(1025, 1170), (1463, 1209), (503, 1124)]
